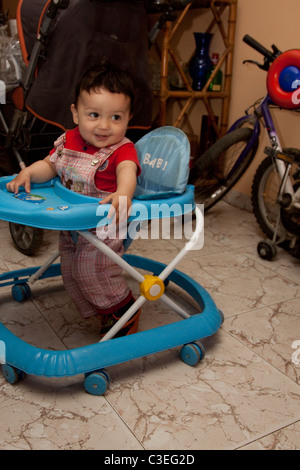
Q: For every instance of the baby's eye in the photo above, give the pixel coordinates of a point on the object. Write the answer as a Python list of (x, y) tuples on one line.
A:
[(116, 117), (94, 115)]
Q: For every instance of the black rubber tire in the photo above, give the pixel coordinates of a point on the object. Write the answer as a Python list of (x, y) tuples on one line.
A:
[(212, 173), (267, 249), (265, 211), (264, 192), (26, 239)]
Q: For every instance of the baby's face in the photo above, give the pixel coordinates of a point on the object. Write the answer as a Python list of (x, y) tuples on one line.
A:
[(102, 116)]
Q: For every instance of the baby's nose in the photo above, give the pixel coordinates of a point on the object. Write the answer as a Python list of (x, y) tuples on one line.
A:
[(103, 123)]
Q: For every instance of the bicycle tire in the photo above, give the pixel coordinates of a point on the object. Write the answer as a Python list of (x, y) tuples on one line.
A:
[(213, 173), (26, 239), (264, 193)]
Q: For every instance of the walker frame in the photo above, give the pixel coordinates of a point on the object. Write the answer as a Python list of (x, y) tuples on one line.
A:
[(92, 360)]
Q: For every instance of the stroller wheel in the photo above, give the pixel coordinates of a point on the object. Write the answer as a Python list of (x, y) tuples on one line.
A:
[(26, 239)]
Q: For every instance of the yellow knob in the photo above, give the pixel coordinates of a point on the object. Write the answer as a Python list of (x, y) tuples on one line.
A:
[(152, 287)]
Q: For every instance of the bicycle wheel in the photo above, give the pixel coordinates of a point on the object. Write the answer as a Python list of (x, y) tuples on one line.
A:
[(217, 170), (265, 187), (26, 239)]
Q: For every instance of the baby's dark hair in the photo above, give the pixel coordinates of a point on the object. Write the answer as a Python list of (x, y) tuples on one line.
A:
[(108, 76)]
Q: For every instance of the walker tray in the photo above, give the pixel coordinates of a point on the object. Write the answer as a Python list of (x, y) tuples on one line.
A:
[(52, 206)]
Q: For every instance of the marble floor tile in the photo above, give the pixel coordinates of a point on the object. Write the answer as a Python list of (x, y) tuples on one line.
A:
[(230, 226), (244, 394), (283, 264), (273, 333), (287, 438), (238, 283), (231, 397), (42, 414)]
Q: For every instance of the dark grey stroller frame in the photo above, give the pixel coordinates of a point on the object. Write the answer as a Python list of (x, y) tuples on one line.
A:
[(27, 239), (66, 43), (16, 138)]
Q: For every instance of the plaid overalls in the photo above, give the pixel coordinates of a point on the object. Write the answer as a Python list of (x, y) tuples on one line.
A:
[(94, 282)]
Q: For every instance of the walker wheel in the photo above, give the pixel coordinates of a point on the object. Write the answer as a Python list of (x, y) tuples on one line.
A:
[(11, 374), (96, 383), (21, 292), (267, 249), (192, 353)]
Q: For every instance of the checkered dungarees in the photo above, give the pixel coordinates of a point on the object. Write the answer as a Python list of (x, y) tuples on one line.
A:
[(93, 281)]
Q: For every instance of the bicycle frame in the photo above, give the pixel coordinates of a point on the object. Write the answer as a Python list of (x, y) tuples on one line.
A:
[(275, 189), (263, 112)]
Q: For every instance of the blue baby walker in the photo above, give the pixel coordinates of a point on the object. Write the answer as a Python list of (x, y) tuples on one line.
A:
[(164, 157)]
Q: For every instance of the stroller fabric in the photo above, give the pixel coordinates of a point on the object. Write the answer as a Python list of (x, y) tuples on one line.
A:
[(84, 34)]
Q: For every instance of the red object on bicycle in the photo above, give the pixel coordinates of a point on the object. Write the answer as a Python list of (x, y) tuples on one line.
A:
[(285, 99)]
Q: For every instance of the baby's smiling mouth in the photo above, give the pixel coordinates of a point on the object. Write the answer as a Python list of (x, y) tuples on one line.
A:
[(101, 136)]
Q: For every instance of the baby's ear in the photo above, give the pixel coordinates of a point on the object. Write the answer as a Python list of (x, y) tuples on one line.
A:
[(74, 113)]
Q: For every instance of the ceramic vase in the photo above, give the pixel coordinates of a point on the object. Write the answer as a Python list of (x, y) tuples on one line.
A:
[(201, 64)]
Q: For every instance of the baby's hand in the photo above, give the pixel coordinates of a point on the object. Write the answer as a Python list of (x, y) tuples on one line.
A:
[(120, 207), (23, 179)]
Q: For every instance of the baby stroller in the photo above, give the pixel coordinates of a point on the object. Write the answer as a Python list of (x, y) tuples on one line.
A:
[(59, 39)]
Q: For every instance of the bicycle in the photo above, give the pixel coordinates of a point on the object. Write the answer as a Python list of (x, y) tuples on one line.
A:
[(275, 192)]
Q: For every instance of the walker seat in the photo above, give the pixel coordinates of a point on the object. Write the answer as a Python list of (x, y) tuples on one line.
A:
[(52, 206)]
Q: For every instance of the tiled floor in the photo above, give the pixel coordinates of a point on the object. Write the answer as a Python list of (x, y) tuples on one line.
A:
[(243, 395)]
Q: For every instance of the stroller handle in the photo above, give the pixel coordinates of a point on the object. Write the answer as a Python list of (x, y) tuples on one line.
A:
[(56, 5)]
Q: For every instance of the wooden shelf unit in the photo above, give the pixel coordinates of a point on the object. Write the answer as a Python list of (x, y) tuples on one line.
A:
[(187, 95)]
